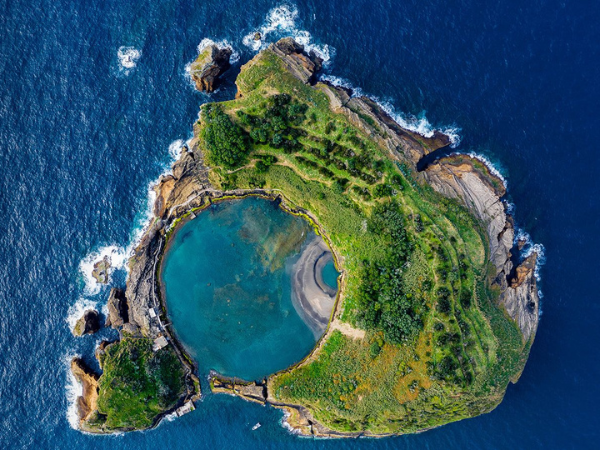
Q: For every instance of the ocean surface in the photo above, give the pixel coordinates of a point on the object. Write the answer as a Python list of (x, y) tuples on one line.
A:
[(95, 104), (228, 287)]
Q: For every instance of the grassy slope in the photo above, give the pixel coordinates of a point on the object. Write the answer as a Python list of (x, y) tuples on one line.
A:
[(137, 385), (370, 384)]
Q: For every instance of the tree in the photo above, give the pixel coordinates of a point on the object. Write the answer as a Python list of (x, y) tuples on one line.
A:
[(226, 142)]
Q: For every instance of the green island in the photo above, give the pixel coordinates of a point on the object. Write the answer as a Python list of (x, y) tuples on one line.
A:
[(435, 312)]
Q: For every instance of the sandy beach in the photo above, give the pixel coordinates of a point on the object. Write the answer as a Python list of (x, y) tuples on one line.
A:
[(311, 296)]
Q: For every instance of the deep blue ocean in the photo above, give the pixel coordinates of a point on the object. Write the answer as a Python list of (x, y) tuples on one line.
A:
[(82, 137)]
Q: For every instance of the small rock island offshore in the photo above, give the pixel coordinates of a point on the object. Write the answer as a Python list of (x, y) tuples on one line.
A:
[(435, 312)]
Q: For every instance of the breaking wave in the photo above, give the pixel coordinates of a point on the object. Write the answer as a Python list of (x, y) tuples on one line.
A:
[(285, 424), (128, 57), (119, 255), (235, 55), (74, 389), (529, 248), (77, 310), (491, 167), (282, 21)]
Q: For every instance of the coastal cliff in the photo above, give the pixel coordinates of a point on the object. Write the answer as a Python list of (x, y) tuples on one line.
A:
[(139, 312)]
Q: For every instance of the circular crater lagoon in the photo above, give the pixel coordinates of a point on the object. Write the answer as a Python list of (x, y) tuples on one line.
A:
[(249, 288)]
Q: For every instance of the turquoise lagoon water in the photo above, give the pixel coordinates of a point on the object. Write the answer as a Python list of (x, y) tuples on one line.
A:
[(330, 274), (228, 288)]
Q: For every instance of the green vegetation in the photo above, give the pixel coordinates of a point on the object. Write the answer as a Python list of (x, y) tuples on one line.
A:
[(225, 142), (416, 277), (137, 384)]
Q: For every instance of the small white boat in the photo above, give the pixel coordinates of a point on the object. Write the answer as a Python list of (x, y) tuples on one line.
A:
[(256, 427)]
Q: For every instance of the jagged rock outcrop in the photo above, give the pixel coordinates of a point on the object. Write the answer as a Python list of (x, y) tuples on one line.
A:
[(87, 403), (209, 65), (118, 311), (302, 65), (100, 271), (88, 323), (189, 177), (521, 299)]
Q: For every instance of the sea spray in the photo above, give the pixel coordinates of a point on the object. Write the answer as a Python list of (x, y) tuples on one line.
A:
[(491, 167), (78, 309), (74, 389), (128, 58), (224, 43), (285, 423), (418, 124), (282, 21), (119, 255)]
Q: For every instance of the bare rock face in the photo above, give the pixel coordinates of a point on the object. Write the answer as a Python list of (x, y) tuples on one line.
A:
[(88, 402), (302, 65), (521, 300), (189, 177), (209, 65), (118, 311), (100, 271), (89, 323), (252, 391), (458, 177)]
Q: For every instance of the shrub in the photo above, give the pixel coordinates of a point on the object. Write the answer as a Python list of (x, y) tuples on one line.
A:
[(225, 141)]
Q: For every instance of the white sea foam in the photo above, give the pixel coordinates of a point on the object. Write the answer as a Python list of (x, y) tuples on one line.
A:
[(128, 57), (117, 257), (418, 124), (530, 247), (224, 43), (76, 311), (74, 389), (285, 424), (283, 21), (492, 168)]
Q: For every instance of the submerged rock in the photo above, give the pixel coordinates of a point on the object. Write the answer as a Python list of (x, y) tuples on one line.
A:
[(89, 323), (209, 65)]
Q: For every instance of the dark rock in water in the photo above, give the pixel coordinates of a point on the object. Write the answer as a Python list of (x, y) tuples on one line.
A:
[(118, 310), (257, 36), (209, 65), (89, 323), (100, 272)]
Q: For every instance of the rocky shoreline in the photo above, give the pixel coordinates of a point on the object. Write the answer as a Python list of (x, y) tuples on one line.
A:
[(140, 310)]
